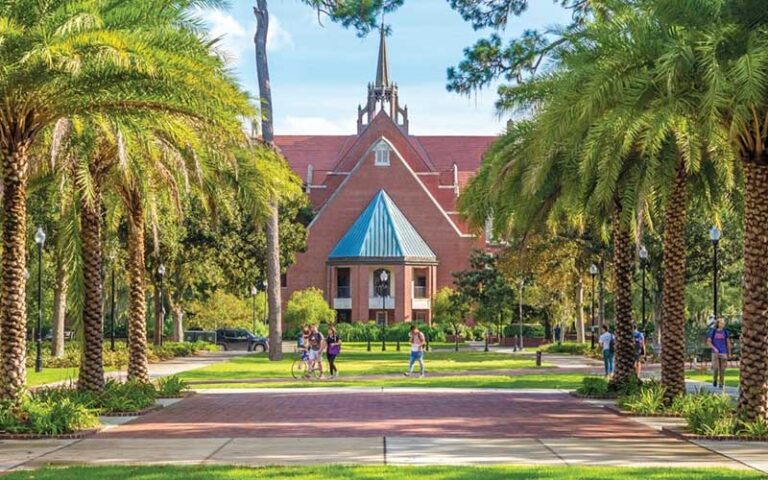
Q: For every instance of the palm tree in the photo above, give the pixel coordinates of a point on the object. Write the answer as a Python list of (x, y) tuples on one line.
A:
[(733, 54), (128, 56)]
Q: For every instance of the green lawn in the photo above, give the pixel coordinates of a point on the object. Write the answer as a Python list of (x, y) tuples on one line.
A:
[(731, 377), (209, 472), (550, 380), (356, 362), (50, 375)]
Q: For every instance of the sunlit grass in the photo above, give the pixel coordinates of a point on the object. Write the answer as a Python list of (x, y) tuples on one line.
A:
[(353, 362), (210, 472)]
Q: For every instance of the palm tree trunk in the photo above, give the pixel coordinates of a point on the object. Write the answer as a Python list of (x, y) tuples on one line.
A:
[(624, 264), (272, 228), (138, 369), (59, 306), (13, 318), (753, 399), (92, 365), (673, 346), (580, 336)]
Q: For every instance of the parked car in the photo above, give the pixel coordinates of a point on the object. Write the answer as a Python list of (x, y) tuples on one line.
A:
[(240, 338)]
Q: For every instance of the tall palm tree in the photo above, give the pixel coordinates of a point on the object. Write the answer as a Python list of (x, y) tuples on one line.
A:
[(62, 59)]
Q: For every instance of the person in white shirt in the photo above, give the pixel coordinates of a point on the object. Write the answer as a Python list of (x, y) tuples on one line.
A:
[(606, 342), (417, 350)]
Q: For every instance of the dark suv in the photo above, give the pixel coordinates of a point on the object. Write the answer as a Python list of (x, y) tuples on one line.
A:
[(240, 338)]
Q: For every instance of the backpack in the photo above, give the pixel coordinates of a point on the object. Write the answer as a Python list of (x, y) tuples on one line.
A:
[(612, 345), (639, 343)]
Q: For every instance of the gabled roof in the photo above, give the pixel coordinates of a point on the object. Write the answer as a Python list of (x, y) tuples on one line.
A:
[(382, 232)]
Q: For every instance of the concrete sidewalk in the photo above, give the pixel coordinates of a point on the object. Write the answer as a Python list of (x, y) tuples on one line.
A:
[(16, 455)]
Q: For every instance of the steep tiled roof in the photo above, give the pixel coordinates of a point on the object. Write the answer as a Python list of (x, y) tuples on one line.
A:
[(324, 151), (382, 231)]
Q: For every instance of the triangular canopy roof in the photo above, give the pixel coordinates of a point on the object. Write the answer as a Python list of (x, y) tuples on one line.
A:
[(382, 232)]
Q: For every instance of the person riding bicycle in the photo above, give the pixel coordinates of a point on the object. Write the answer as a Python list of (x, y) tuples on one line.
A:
[(316, 346), (301, 343)]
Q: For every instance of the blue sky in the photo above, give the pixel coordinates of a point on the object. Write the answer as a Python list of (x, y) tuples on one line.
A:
[(320, 71)]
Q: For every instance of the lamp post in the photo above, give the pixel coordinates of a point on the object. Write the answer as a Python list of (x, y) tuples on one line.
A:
[(254, 292), (266, 307), (714, 235), (112, 305), (40, 241), (520, 307), (161, 326), (644, 267), (593, 272), (383, 277)]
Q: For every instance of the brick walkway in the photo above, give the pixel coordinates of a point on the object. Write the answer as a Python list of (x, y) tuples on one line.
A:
[(370, 414)]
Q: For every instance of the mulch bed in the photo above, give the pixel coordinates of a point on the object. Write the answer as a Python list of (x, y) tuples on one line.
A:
[(591, 397), (625, 413), (36, 436), (724, 438)]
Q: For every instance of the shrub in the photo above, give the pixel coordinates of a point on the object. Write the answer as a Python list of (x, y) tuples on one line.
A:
[(171, 387), (707, 415), (649, 399), (569, 348), (758, 428), (593, 387), (479, 332), (535, 330), (308, 307), (46, 417), (224, 310), (126, 396)]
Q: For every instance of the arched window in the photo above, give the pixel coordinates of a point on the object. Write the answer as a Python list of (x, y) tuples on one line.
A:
[(381, 152)]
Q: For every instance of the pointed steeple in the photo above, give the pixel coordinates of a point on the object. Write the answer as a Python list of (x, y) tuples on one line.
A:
[(382, 67), (382, 93)]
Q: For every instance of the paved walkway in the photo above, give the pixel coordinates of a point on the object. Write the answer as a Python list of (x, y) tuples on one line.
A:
[(416, 426)]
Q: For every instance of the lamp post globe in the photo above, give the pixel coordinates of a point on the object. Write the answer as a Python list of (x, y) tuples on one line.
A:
[(266, 306), (40, 241), (644, 266), (254, 292)]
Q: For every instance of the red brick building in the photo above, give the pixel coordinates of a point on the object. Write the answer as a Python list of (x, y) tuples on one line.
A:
[(385, 202)]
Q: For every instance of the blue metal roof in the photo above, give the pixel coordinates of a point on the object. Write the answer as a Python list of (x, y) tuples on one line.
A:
[(382, 231)]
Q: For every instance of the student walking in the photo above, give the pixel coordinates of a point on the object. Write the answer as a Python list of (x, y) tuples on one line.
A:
[(720, 343), (418, 342), (606, 341), (334, 348)]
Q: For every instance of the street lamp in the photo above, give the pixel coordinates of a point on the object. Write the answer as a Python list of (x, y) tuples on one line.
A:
[(112, 305), (266, 307), (40, 241), (644, 267), (520, 306), (593, 272), (714, 235), (254, 292), (161, 326), (383, 277)]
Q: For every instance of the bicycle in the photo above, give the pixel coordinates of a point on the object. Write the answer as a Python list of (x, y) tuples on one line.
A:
[(300, 369)]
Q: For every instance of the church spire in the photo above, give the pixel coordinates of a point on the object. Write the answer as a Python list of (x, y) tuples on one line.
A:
[(382, 93), (382, 68)]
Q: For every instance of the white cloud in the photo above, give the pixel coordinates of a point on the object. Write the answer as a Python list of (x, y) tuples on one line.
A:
[(235, 39)]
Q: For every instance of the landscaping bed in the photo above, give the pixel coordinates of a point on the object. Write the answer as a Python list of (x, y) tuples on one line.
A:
[(65, 412), (685, 435)]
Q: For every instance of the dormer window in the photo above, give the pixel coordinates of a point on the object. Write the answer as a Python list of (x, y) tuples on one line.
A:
[(381, 152)]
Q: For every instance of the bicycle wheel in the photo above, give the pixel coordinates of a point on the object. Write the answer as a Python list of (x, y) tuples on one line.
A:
[(298, 369)]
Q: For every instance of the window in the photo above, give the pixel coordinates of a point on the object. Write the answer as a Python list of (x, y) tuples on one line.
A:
[(381, 151), (342, 283), (420, 285), (420, 316), (381, 317), (284, 280)]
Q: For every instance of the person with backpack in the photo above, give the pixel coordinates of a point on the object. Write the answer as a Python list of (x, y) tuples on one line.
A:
[(418, 342), (606, 341), (639, 339), (720, 343)]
